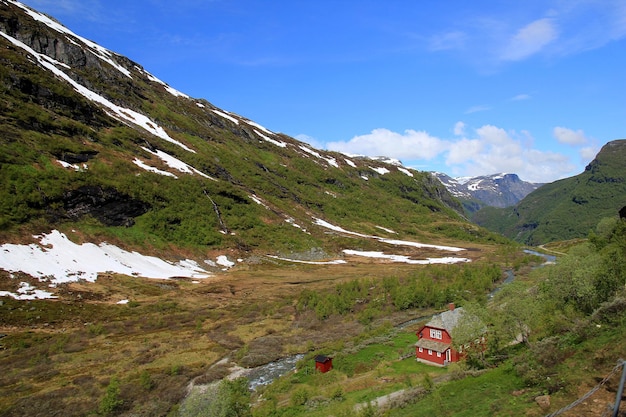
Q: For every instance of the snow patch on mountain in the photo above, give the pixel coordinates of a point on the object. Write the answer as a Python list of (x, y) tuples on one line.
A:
[(27, 292), (270, 140), (149, 168), (394, 242), (177, 164), (331, 161), (405, 259), (56, 259), (101, 52), (497, 190), (115, 111), (381, 170), (169, 89), (258, 126), (75, 167), (226, 116)]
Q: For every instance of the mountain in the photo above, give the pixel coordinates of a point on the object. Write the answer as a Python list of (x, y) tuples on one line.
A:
[(497, 190), (108, 174), (569, 208), (91, 141)]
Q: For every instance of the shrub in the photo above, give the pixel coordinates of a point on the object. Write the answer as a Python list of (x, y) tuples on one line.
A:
[(96, 329), (146, 380), (338, 394), (300, 396), (111, 401)]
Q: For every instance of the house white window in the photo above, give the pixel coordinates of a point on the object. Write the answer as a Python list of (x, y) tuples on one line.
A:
[(430, 352), (421, 350), (435, 334), (438, 354)]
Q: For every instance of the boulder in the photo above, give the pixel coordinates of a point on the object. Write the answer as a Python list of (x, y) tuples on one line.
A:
[(543, 401)]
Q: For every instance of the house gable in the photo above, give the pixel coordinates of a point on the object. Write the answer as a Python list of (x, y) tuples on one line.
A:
[(436, 334)]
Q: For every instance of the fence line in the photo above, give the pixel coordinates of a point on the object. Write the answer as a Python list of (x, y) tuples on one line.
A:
[(590, 392)]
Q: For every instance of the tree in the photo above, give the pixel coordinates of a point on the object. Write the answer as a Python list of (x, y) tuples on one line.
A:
[(111, 400), (573, 279), (518, 312), (226, 399), (469, 334)]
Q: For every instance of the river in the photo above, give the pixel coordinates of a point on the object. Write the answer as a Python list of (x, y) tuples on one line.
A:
[(265, 374), (510, 276)]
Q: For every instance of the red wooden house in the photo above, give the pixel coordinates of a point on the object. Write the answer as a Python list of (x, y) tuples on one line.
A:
[(434, 346), (323, 363)]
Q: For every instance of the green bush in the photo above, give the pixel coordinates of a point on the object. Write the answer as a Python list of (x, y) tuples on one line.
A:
[(300, 396), (111, 401)]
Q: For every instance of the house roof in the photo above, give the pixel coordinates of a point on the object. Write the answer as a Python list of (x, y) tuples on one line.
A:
[(447, 320), (322, 358), (432, 345)]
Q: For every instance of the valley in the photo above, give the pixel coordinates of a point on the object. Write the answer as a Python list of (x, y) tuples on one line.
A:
[(172, 330), (154, 246), (178, 331)]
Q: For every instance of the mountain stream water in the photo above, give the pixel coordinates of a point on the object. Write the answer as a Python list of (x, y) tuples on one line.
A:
[(265, 374)]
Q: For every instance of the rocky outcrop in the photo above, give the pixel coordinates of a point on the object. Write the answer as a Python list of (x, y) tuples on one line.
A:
[(543, 401), (107, 205)]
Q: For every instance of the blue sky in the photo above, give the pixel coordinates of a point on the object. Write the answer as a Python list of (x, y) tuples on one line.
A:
[(531, 87)]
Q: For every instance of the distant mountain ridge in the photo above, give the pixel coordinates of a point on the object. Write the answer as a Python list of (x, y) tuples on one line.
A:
[(496, 190), (569, 208)]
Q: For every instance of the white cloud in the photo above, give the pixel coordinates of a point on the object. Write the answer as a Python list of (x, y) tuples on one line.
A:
[(383, 142), (487, 39), (314, 142), (476, 109), (545, 166), (496, 150), (588, 153), (459, 128), (464, 150), (530, 39), (448, 40), (486, 150), (590, 24), (521, 97), (494, 135), (569, 136)]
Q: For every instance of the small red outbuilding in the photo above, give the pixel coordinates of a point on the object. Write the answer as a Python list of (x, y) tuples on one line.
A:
[(323, 363)]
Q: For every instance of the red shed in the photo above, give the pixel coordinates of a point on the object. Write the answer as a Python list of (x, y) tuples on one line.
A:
[(323, 363)]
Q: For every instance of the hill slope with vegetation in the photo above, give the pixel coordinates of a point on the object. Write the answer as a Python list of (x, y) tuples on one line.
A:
[(94, 146), (92, 141), (569, 208), (555, 339)]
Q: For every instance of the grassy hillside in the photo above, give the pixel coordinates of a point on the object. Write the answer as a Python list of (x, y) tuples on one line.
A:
[(69, 162), (555, 334), (568, 208), (147, 169)]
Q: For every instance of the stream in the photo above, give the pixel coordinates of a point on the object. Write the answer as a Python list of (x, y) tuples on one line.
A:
[(265, 374), (549, 259)]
